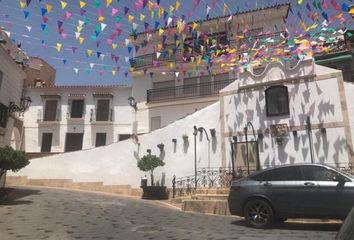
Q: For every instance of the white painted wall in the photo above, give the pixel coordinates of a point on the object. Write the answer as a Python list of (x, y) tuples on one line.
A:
[(117, 163), (318, 99), (33, 129), (10, 90)]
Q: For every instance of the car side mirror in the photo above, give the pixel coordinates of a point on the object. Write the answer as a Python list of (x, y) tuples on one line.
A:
[(339, 178)]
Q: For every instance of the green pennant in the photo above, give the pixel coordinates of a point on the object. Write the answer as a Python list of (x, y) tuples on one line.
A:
[(118, 19), (97, 3)]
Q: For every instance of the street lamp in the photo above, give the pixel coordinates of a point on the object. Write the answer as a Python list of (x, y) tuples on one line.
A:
[(233, 143), (195, 133), (249, 124)]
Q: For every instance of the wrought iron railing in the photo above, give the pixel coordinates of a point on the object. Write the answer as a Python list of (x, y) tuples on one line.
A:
[(206, 178), (186, 91)]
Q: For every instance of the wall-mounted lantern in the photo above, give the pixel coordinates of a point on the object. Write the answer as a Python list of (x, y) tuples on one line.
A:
[(260, 136), (212, 132), (174, 140), (132, 102), (323, 130), (148, 151), (22, 107), (161, 146), (295, 133)]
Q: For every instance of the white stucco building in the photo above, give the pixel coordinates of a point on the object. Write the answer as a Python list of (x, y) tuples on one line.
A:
[(172, 82), (307, 90), (70, 118), (11, 84)]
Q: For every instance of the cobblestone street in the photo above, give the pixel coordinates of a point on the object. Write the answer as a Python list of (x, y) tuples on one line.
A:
[(40, 213)]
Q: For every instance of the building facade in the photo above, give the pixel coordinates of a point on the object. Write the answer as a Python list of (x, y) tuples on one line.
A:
[(71, 118), (300, 114), (12, 78), (164, 86)]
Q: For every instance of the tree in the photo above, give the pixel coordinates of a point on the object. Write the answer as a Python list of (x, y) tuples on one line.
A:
[(148, 163), (11, 159)]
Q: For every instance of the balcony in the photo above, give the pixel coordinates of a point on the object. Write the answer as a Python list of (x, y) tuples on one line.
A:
[(48, 116), (186, 91), (101, 115)]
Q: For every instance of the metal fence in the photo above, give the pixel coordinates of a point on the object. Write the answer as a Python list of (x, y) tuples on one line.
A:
[(206, 178)]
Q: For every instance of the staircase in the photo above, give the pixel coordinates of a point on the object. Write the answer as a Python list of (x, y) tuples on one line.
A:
[(208, 201), (126, 190)]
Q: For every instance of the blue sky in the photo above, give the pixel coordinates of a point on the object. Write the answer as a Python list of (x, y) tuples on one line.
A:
[(39, 36)]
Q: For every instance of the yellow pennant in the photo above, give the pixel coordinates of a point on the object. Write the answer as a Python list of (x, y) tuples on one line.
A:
[(78, 28), (142, 17), (89, 52), (171, 9), (130, 18), (63, 4), (225, 8), (195, 25), (161, 10), (81, 40), (114, 45), (101, 18), (114, 72), (58, 47), (49, 7), (150, 5), (108, 3), (22, 5), (82, 4), (161, 31), (178, 5)]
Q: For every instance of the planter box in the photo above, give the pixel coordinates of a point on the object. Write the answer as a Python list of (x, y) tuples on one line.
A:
[(155, 193)]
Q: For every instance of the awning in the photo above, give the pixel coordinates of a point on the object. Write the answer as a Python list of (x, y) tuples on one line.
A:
[(335, 59)]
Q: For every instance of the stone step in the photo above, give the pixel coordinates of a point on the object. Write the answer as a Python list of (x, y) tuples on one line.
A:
[(69, 184), (212, 191), (210, 196), (219, 207)]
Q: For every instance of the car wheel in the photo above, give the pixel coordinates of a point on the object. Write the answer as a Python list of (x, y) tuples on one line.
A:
[(258, 213)]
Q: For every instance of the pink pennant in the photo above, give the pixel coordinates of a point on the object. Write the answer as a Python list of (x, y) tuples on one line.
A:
[(100, 12), (324, 4), (64, 35), (45, 19), (114, 11), (109, 41)]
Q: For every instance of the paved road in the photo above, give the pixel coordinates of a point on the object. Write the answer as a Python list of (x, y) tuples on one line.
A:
[(59, 214)]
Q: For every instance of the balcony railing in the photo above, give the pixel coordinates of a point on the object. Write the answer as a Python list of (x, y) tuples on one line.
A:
[(186, 91), (97, 115), (51, 116), (70, 115)]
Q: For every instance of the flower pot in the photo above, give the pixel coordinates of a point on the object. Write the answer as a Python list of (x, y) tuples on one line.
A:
[(155, 192)]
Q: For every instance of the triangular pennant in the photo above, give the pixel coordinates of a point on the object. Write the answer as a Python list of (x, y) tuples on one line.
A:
[(114, 11), (26, 13), (43, 11), (49, 7), (63, 4)]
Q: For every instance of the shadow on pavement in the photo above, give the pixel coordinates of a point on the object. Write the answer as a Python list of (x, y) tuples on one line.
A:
[(11, 196), (332, 227)]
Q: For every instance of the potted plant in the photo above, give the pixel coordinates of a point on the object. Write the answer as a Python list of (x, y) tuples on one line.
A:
[(148, 163)]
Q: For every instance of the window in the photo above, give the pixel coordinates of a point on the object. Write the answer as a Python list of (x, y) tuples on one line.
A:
[(103, 110), (280, 174), (46, 142), (77, 108), (50, 112), (277, 101), (315, 173), (122, 137), (73, 142), (100, 139), (155, 123), (164, 84), (4, 112)]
